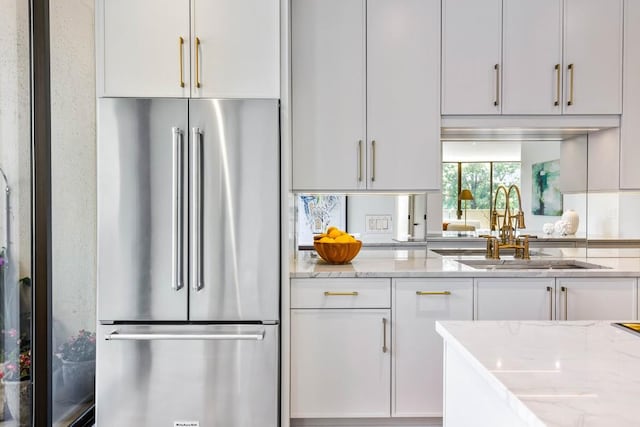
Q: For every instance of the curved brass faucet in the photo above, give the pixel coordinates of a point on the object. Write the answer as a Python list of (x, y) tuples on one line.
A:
[(507, 223)]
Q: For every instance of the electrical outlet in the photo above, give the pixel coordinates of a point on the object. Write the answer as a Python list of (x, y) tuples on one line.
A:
[(378, 223)]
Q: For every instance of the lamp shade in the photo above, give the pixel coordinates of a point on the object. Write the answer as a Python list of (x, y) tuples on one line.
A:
[(465, 195)]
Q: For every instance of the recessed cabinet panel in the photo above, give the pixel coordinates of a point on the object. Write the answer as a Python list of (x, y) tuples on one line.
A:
[(514, 299), (532, 65), (597, 299), (238, 55), (471, 56), (340, 363), (139, 50), (403, 88), (417, 357), (593, 56), (328, 94)]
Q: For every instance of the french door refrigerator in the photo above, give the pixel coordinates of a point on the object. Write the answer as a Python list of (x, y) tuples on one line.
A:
[(188, 262)]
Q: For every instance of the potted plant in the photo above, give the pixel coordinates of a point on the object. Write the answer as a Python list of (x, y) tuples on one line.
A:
[(78, 356), (16, 378)]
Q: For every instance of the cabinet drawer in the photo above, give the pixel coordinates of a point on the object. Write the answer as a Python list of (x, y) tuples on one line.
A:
[(340, 293)]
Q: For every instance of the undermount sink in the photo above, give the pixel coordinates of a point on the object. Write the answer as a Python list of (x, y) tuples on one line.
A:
[(530, 264), (478, 252)]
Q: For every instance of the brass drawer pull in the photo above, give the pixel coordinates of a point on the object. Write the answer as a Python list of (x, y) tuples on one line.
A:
[(571, 68), (340, 294), (433, 293), (180, 47)]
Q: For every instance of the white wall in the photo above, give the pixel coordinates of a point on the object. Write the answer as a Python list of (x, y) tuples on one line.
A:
[(73, 160), (359, 206)]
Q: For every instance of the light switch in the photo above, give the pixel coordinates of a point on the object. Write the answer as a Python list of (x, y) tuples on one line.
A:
[(378, 223)]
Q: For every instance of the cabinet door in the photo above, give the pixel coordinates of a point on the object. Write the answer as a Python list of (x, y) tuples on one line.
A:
[(139, 50), (532, 66), (514, 299), (471, 56), (417, 357), (328, 94), (403, 92), (340, 366), (597, 299), (238, 54), (629, 124), (593, 56)]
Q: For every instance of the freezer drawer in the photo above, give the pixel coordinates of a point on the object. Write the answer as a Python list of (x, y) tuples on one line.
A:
[(195, 375)]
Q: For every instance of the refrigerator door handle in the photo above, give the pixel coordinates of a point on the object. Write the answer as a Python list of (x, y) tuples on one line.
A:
[(177, 223), (196, 210), (118, 336)]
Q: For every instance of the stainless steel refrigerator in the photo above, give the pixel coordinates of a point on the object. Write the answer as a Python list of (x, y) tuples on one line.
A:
[(188, 262)]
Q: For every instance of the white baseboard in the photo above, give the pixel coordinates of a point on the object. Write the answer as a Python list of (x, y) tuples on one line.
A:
[(366, 422)]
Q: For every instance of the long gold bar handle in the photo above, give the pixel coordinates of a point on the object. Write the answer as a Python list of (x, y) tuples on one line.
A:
[(571, 69), (497, 101), (433, 293), (566, 298), (340, 294), (549, 289), (384, 335), (373, 160), (197, 61), (360, 161), (557, 101), (181, 47)]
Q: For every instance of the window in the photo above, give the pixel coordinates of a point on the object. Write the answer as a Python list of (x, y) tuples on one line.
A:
[(482, 179)]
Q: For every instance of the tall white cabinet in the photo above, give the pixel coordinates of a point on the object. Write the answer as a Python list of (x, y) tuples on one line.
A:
[(471, 56), (188, 48), (365, 95)]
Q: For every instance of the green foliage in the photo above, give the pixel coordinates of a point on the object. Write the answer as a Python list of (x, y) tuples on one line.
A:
[(79, 348)]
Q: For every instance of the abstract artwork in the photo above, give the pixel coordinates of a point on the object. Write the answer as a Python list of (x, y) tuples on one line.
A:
[(317, 212), (546, 196)]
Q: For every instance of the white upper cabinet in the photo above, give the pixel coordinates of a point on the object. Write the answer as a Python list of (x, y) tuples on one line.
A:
[(532, 57), (328, 94), (593, 56), (157, 48), (630, 125), (471, 56), (403, 91), (238, 54), (365, 95), (143, 48)]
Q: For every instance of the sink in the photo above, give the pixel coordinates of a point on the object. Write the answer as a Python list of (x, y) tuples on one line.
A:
[(531, 264), (478, 252)]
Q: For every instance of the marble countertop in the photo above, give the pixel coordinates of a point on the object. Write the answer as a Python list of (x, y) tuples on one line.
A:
[(576, 373), (422, 263)]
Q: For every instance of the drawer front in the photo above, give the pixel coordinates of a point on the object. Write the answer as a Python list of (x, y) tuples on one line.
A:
[(340, 293)]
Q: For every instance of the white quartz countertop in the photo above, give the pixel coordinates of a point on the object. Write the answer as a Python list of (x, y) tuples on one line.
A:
[(576, 373), (422, 263)]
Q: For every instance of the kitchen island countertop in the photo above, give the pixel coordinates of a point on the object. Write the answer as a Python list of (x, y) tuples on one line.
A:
[(576, 373), (423, 263)]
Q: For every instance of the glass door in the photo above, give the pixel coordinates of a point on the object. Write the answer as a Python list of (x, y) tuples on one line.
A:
[(15, 216)]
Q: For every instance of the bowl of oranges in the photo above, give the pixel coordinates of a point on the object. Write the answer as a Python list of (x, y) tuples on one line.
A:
[(336, 247)]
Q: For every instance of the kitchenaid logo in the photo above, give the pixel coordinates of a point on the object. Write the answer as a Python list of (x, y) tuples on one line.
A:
[(186, 424)]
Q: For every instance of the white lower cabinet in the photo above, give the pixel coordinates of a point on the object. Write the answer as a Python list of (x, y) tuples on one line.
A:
[(340, 356), (515, 298), (417, 348), (597, 298)]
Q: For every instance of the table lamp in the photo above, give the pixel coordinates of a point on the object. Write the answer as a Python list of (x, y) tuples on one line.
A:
[(465, 195)]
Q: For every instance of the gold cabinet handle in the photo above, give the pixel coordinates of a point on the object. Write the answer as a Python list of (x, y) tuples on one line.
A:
[(557, 101), (433, 293), (571, 69), (340, 294), (373, 160), (181, 48), (384, 335), (197, 61), (566, 298), (360, 161), (497, 100), (549, 289)]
